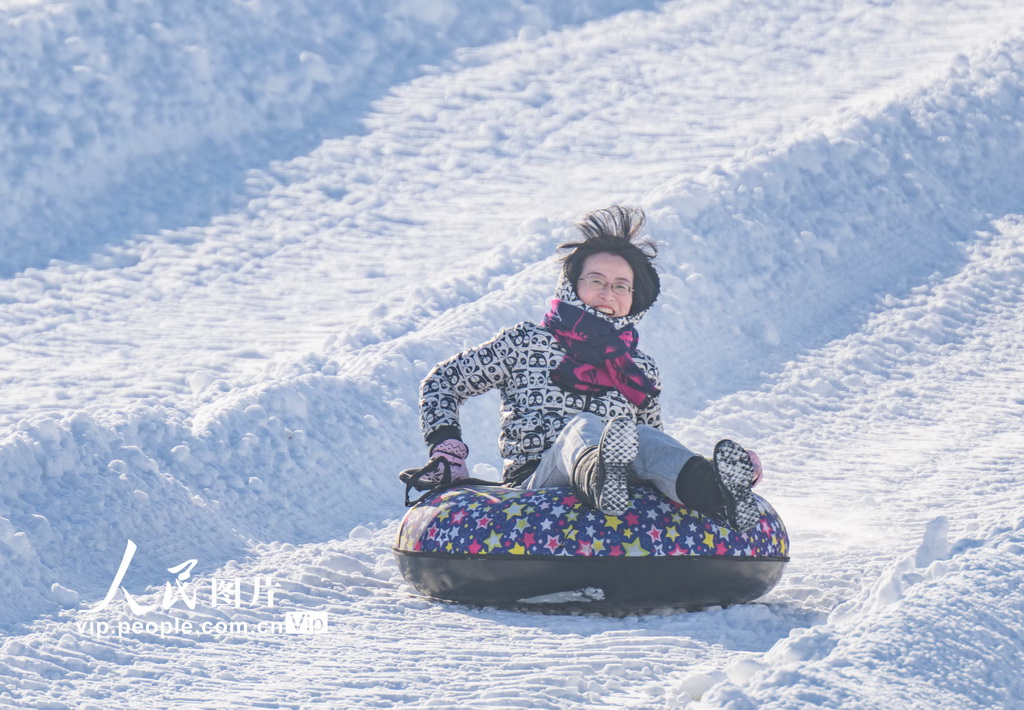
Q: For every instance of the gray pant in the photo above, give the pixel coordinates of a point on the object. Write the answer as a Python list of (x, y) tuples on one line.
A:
[(658, 463)]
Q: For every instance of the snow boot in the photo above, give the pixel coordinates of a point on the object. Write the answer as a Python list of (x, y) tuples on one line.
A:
[(599, 476), (736, 475)]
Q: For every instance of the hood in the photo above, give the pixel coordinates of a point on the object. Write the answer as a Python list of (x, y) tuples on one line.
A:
[(565, 292)]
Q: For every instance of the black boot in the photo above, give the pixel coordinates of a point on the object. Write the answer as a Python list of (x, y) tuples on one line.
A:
[(736, 476), (599, 476), (586, 477), (697, 487), (721, 488)]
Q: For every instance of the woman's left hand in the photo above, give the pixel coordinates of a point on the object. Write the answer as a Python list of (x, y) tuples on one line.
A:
[(754, 459)]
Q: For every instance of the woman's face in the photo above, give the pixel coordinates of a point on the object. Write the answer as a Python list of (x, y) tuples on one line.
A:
[(606, 284)]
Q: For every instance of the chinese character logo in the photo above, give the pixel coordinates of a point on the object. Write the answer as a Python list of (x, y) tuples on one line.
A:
[(222, 591)]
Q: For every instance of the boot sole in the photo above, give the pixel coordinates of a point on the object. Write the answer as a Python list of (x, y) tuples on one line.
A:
[(736, 474), (619, 447)]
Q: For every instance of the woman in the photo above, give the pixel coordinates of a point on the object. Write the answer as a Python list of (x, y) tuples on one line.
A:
[(579, 401)]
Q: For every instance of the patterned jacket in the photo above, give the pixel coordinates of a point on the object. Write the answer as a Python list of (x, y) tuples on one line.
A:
[(518, 362)]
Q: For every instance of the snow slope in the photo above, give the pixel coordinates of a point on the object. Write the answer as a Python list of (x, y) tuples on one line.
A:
[(837, 184), (149, 105)]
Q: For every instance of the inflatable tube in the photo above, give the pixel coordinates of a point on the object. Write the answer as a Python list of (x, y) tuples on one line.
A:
[(505, 546)]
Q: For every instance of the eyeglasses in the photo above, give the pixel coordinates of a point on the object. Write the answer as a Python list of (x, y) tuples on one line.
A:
[(599, 284)]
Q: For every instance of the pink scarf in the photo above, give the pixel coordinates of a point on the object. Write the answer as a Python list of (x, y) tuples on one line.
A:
[(598, 357)]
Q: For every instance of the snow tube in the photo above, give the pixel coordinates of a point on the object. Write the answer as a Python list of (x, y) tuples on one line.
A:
[(506, 546)]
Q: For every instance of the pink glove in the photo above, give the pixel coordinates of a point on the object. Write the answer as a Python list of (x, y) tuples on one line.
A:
[(757, 467), (455, 452)]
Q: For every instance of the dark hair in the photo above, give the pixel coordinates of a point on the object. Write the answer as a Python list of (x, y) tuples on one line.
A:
[(616, 230)]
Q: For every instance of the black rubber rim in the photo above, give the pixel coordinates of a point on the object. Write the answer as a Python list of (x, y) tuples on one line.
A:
[(624, 582)]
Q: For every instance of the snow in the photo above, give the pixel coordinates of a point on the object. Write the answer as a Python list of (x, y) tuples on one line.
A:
[(235, 237)]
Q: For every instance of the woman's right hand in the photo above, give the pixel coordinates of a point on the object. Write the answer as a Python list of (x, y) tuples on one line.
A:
[(454, 451), (447, 465)]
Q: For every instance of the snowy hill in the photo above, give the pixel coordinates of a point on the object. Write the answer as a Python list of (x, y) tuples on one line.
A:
[(220, 286)]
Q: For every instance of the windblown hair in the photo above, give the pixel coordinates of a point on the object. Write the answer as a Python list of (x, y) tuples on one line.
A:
[(616, 230)]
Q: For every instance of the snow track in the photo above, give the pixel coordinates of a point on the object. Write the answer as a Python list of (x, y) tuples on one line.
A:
[(839, 182)]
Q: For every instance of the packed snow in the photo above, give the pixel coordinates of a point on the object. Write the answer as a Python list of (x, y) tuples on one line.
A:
[(236, 236)]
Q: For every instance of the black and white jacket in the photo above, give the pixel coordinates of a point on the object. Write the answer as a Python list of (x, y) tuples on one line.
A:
[(518, 362)]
